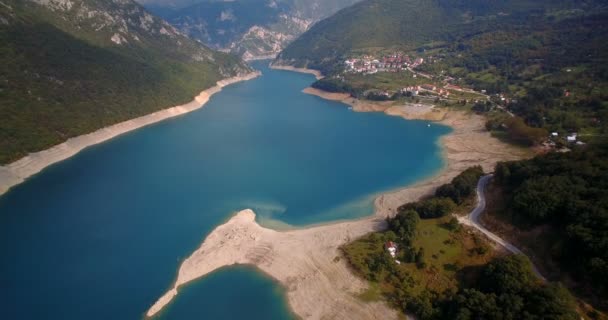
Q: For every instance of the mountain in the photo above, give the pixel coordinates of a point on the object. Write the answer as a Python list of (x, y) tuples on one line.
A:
[(73, 66), (545, 61), (249, 28), (412, 24)]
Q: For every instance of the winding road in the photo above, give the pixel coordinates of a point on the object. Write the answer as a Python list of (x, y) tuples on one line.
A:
[(472, 220)]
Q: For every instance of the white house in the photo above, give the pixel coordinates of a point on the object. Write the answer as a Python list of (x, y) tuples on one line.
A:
[(391, 247)]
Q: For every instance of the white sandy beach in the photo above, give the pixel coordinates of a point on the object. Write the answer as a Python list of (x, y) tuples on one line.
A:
[(16, 172), (308, 262)]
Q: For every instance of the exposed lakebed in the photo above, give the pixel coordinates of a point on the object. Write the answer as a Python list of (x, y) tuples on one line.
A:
[(102, 234)]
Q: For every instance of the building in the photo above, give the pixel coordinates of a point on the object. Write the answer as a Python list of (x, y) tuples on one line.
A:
[(391, 247)]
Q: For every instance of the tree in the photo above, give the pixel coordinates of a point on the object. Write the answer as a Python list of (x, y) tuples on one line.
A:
[(453, 224), (404, 225), (462, 186), (472, 304), (511, 274), (539, 198), (552, 301)]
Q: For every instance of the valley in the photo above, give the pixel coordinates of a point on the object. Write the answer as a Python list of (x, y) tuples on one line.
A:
[(309, 159)]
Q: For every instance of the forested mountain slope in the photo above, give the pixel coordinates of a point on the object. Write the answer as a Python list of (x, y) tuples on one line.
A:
[(546, 61), (73, 66), (415, 23)]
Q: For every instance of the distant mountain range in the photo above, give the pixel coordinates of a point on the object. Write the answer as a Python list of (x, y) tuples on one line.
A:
[(544, 60), (70, 67), (249, 28), (416, 24)]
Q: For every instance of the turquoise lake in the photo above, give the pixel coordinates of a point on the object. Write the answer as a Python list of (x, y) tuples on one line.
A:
[(101, 235)]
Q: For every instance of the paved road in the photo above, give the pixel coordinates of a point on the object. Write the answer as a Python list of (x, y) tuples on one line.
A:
[(473, 220)]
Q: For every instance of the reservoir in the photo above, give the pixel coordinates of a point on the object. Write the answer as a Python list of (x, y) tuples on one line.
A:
[(102, 234)]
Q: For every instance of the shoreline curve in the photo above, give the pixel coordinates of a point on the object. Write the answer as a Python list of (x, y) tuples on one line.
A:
[(18, 171), (308, 262)]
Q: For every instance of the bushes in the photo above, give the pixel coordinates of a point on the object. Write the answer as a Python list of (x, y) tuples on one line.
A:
[(461, 187), (448, 196), (517, 130), (431, 208), (507, 289), (335, 85), (404, 225)]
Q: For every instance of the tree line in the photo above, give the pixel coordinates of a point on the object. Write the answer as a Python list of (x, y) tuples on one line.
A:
[(568, 191)]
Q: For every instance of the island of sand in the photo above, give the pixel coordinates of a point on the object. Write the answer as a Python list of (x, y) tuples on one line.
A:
[(16, 172), (308, 263)]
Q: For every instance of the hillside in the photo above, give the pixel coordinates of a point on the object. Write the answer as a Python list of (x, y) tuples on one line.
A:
[(556, 205), (428, 265), (542, 60), (412, 24), (71, 67), (249, 28)]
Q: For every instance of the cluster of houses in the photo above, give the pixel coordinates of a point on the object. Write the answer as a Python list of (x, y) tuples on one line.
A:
[(390, 63), (572, 137), (415, 90)]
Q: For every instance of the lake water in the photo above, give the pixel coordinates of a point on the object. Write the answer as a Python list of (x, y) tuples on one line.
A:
[(101, 235)]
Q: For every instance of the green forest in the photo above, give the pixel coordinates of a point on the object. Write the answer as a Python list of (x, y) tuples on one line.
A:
[(445, 272), (60, 78), (547, 59), (569, 193)]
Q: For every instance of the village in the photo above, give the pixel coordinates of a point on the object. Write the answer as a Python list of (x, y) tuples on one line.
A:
[(390, 63), (439, 90), (400, 63)]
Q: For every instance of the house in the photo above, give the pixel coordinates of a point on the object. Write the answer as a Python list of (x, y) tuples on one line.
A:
[(554, 134), (571, 137), (391, 247)]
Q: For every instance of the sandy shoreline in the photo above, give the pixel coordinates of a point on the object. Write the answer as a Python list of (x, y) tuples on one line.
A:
[(308, 263), (409, 111), (316, 73), (18, 171)]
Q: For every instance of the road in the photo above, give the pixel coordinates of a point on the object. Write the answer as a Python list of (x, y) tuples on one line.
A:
[(472, 220)]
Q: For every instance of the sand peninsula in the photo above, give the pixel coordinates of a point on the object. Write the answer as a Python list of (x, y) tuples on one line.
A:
[(308, 262), (16, 172), (410, 111)]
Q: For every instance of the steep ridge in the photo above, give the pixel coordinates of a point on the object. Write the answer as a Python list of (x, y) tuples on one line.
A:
[(71, 67), (419, 25)]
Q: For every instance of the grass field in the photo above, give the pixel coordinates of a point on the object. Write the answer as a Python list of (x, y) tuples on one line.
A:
[(450, 256)]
